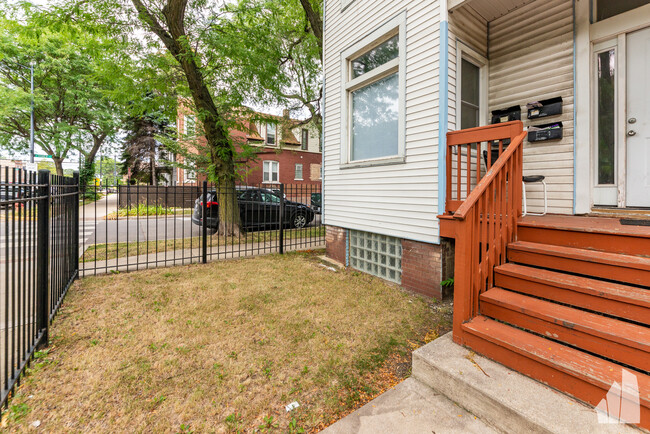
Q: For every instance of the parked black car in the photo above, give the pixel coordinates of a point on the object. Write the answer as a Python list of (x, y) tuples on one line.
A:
[(259, 208)]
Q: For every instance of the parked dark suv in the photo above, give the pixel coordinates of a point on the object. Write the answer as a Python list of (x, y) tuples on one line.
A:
[(259, 208)]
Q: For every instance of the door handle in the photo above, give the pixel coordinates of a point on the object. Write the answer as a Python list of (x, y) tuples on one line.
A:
[(631, 133)]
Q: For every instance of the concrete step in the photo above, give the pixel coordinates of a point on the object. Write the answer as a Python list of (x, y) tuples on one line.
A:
[(505, 399), (614, 299), (410, 407), (629, 269)]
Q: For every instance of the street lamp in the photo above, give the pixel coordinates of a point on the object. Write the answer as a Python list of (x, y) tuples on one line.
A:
[(31, 114)]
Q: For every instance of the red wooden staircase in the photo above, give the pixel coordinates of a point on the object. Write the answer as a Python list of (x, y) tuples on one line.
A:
[(562, 299)]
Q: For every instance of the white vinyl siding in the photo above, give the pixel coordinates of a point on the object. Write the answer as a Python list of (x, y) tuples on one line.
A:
[(525, 68), (399, 200)]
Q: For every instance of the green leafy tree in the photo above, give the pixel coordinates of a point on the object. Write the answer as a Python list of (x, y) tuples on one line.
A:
[(75, 81)]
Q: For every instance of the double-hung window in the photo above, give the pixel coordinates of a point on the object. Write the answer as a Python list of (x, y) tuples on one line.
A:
[(304, 142), (373, 97), (271, 171), (270, 133), (298, 175)]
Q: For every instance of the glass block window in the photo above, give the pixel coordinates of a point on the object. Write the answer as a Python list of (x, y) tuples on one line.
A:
[(379, 255)]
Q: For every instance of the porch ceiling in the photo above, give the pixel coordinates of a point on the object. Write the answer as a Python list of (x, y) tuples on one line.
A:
[(489, 9)]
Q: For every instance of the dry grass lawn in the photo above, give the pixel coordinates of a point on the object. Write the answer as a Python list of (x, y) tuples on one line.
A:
[(222, 347)]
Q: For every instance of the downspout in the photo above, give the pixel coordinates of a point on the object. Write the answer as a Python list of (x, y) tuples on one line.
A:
[(443, 106)]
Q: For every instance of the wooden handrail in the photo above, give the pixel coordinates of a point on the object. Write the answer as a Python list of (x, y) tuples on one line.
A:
[(485, 221), (462, 211), (464, 162)]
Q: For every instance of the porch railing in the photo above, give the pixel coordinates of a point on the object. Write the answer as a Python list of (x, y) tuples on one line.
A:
[(486, 220), (465, 151)]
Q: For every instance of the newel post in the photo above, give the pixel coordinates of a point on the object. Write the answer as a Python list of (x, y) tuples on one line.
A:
[(462, 279)]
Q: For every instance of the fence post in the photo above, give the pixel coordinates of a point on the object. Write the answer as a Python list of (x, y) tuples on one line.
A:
[(281, 235), (43, 260), (75, 222), (204, 220)]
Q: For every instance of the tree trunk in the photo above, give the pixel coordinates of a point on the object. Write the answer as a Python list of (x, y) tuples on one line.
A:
[(222, 153), (152, 169), (58, 163)]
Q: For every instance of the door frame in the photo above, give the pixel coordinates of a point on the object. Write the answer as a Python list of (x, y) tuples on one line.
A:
[(603, 35)]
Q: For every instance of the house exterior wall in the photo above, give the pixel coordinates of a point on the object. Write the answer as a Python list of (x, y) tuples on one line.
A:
[(531, 58), (401, 199), (287, 159)]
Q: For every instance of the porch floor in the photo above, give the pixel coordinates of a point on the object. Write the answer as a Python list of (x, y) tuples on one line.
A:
[(609, 225)]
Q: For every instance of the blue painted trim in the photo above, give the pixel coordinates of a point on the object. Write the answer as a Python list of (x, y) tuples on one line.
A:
[(443, 107), (322, 132), (575, 93)]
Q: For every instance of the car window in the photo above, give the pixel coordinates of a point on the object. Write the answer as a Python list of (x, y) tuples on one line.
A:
[(269, 197), (248, 195)]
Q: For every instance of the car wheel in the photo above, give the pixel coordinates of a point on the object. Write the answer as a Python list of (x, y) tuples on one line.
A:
[(211, 231), (299, 221)]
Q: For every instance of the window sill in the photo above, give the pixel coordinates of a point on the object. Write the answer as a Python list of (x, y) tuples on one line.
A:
[(372, 163), (270, 182), (298, 179)]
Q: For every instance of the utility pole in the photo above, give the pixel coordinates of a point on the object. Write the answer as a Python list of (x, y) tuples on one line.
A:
[(31, 120)]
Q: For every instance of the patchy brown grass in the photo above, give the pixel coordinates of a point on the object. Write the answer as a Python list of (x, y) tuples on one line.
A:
[(223, 347), (101, 252)]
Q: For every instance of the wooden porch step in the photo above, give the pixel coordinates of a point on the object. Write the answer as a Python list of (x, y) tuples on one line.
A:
[(611, 338), (612, 266), (596, 233), (614, 299), (582, 375)]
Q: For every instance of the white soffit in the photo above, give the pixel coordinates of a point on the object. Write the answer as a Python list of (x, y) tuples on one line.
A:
[(489, 9)]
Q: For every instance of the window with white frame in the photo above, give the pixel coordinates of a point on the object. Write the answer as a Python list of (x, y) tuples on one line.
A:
[(298, 176), (373, 96), (271, 171), (189, 175), (189, 125), (304, 142), (270, 133)]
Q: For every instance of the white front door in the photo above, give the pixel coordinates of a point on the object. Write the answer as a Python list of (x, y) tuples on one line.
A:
[(638, 119)]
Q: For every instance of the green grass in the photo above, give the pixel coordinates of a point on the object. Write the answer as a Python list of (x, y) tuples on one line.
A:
[(101, 252), (223, 347), (143, 210)]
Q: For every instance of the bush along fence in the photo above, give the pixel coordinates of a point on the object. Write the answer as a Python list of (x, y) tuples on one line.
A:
[(39, 259), (124, 228)]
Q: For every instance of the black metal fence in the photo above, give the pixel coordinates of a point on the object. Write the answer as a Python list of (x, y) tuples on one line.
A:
[(52, 231), (134, 227), (39, 260)]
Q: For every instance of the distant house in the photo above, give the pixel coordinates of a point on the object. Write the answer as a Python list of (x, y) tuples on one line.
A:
[(285, 150)]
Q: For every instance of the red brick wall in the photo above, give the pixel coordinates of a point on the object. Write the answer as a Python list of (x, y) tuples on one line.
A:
[(335, 242), (422, 268), (287, 160)]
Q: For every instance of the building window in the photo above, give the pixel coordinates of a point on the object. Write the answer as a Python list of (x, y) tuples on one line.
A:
[(606, 8), (606, 116), (271, 171), (373, 124), (298, 176), (305, 139), (379, 255), (189, 175), (270, 133), (189, 125)]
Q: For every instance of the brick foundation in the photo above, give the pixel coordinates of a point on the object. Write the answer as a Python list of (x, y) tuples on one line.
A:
[(422, 268), (335, 243)]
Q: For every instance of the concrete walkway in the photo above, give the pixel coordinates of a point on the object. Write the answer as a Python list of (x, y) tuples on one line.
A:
[(99, 209), (410, 407)]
